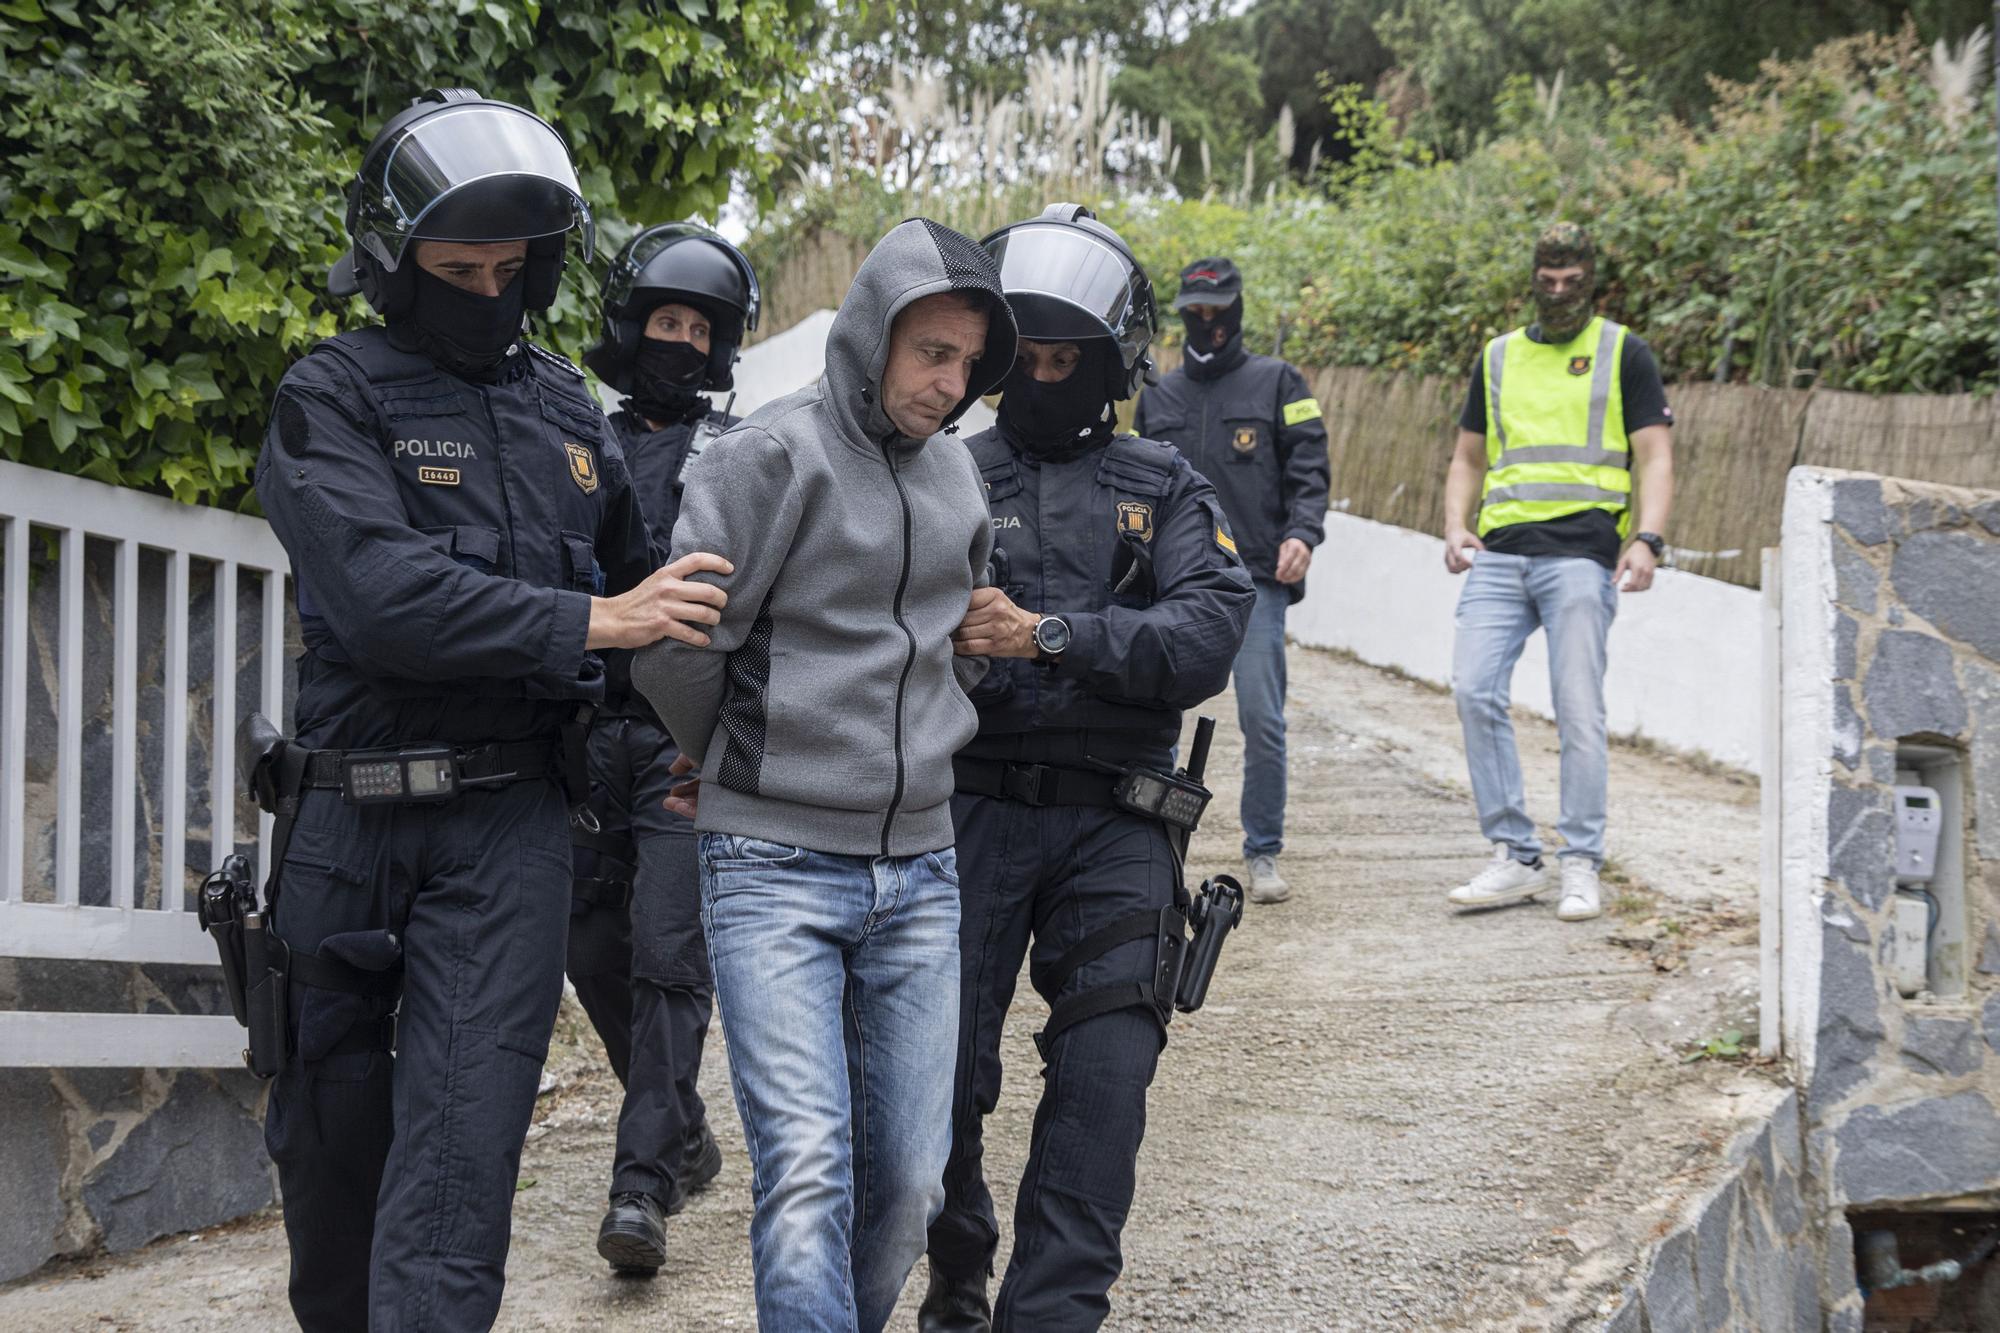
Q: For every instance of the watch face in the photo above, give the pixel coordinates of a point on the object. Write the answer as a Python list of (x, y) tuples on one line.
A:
[(1051, 634)]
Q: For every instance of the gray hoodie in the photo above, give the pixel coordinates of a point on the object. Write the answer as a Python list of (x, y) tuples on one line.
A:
[(826, 709)]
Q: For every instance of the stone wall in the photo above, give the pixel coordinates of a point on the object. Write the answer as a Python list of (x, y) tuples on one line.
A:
[(1744, 1254), (114, 1158), (1891, 636)]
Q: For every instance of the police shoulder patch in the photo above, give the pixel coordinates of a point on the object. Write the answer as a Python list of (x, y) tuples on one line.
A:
[(1135, 519), (1305, 409), (1224, 540), (1579, 365), (582, 467)]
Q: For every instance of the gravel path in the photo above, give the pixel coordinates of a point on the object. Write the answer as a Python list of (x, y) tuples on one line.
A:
[(1388, 1116)]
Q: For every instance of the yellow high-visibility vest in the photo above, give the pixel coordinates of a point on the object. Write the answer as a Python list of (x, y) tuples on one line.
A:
[(1555, 429)]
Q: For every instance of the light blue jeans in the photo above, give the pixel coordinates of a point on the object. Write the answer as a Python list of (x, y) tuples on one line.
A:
[(837, 978), (1506, 598), (1260, 712)]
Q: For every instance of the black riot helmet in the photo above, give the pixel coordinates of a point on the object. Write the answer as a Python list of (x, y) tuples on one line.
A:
[(676, 261), (455, 166), (1069, 277)]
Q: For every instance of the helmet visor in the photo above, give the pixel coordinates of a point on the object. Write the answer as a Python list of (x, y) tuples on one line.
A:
[(479, 173), (1066, 284)]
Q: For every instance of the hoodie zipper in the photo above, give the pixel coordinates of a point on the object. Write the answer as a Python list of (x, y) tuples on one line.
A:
[(910, 655)]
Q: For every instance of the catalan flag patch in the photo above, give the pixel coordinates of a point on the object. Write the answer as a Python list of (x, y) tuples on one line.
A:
[(1306, 409)]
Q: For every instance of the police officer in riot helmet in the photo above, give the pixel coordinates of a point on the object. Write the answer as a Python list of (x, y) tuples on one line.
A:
[(1117, 600), (469, 560), (677, 303)]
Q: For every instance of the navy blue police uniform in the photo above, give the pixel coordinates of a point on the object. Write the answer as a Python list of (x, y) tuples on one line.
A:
[(446, 536), (636, 953), (1251, 425), (1129, 545)]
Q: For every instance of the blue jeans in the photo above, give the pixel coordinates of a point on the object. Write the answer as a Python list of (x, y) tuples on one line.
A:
[(1506, 597), (838, 979), (1260, 712)]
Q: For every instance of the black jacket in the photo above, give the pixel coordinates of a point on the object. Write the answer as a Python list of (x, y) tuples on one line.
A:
[(446, 536), (1268, 464), (1129, 546), (656, 459)]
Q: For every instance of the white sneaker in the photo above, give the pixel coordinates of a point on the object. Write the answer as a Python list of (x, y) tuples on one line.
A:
[(1580, 894), (1266, 884), (1504, 881)]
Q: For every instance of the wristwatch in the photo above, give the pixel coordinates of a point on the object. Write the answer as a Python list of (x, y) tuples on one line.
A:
[(1655, 543), (1051, 636)]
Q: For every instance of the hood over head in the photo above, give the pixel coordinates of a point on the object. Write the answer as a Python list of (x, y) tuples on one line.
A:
[(918, 258)]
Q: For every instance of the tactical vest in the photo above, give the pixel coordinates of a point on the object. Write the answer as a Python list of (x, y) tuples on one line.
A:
[(1555, 428), (1100, 556), (505, 478)]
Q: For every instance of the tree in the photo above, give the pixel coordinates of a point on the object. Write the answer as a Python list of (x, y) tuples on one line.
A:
[(1301, 45), (1460, 53), (1207, 88)]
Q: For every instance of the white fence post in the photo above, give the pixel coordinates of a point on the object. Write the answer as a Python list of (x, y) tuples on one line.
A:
[(56, 915)]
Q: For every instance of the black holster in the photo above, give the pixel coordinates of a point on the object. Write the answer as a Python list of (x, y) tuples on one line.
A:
[(225, 898), (255, 962), (1215, 910), (267, 997), (256, 965)]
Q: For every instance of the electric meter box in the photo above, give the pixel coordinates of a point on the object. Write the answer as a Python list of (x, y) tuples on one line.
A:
[(1919, 819)]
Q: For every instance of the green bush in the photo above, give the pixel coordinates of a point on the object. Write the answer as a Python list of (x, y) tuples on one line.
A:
[(175, 172), (1833, 223)]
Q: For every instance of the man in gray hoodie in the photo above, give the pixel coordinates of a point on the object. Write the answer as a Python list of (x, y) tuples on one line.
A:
[(823, 716)]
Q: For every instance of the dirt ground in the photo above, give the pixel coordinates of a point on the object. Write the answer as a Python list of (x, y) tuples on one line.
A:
[(1388, 1116)]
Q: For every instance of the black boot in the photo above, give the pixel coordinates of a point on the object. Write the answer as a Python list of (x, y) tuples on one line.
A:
[(633, 1237), (955, 1304), (701, 1161)]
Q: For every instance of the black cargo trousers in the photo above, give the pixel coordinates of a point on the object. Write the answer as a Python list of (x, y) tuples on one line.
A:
[(398, 1171), (640, 967), (1057, 873)]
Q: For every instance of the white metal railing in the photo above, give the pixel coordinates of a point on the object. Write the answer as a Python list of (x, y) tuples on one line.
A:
[(140, 922)]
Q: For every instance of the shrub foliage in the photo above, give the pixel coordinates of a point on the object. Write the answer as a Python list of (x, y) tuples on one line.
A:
[(1832, 222), (174, 172)]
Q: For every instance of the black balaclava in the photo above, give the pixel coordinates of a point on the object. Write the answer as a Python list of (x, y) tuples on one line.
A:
[(1064, 420), (1565, 245), (1213, 346), (667, 379), (464, 332)]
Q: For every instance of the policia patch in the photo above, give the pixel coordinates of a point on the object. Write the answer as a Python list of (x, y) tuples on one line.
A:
[(582, 467), (1135, 519)]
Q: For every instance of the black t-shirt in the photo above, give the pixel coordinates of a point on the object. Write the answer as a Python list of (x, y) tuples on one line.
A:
[(1593, 532)]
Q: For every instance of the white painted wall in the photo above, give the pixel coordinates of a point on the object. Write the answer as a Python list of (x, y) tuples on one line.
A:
[(1806, 767), (1684, 655)]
